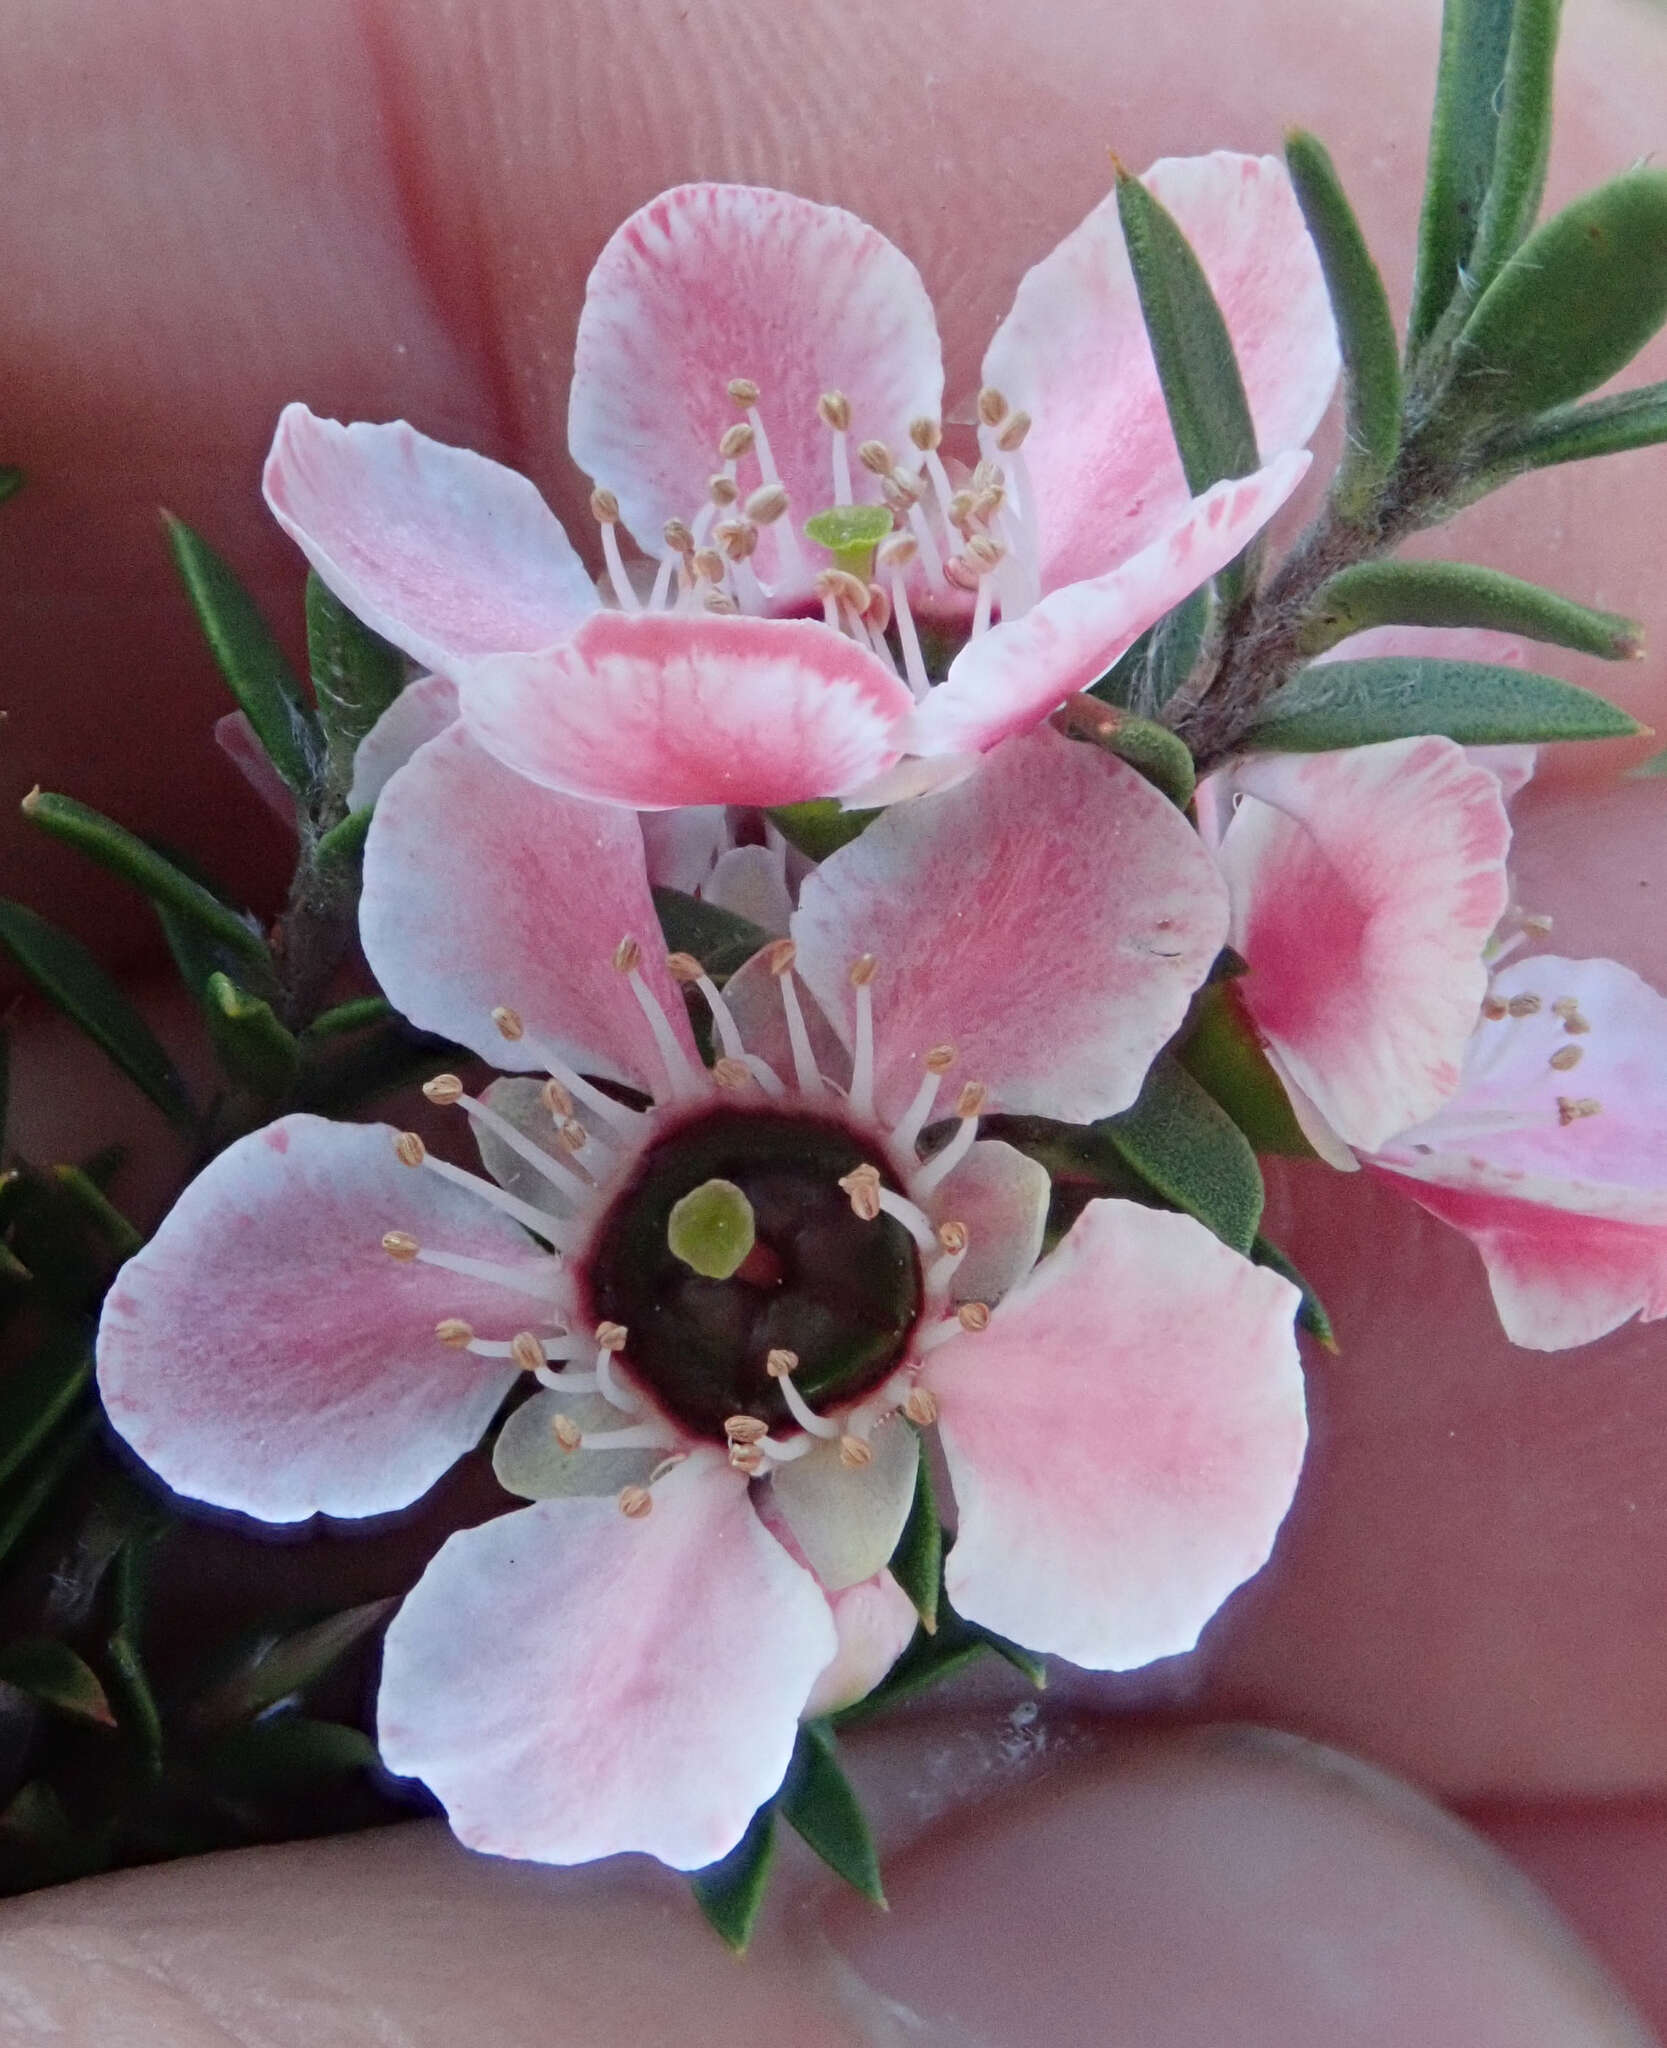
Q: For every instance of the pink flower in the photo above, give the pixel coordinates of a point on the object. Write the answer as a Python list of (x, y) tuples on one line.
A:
[(1524, 1103), (747, 360), (719, 1468)]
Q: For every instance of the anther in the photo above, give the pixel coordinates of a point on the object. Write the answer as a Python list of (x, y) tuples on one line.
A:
[(1571, 1108), (780, 956), (736, 538), (1013, 431), (902, 488), (722, 490), (611, 1336), (921, 1407), (973, 1316), (875, 457), (743, 390), (1524, 1006), (953, 1237), (925, 434), (940, 1059), (1577, 1026), (992, 407), (526, 1351), (635, 1502), (747, 1458), (897, 553), (683, 967), (728, 1073), (1566, 1006), (556, 1099), (877, 612), (854, 1453), (1495, 1007), (454, 1333), (781, 1363), (566, 1432), (962, 573), (627, 956), (409, 1149), (679, 537), (509, 1023), (959, 509), (709, 565), (721, 602), (572, 1134), (863, 970), (767, 504), (400, 1245), (971, 1100), (444, 1089), (745, 1429), (862, 1184), (1567, 1056), (835, 411), (985, 551), (737, 441), (604, 507)]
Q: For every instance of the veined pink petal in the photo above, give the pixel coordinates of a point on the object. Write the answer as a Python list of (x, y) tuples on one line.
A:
[(420, 713), (1552, 1154), (1019, 671), (443, 552), (1001, 1195), (1073, 353), (1365, 885), (235, 737), (264, 1353), (754, 997), (876, 1623), (708, 283), (1050, 917), (1124, 1439), (573, 1682), (666, 710), (482, 889)]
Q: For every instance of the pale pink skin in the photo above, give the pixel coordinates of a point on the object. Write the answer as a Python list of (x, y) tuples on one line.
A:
[(220, 1357), (457, 561)]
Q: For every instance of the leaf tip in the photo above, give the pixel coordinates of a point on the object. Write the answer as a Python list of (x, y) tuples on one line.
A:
[(32, 802)]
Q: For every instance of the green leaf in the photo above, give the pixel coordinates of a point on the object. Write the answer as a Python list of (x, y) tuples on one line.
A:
[(1223, 1054), (1575, 303), (1577, 433), (139, 1714), (1460, 594), (356, 676), (68, 975), (113, 847), (731, 1892), (817, 1799), (50, 1466), (259, 1671), (1365, 327), (1152, 750), (11, 481), (99, 1210), (51, 1672), (1312, 1315), (1655, 765), (1197, 368), (254, 1048), (1357, 703), (917, 1562), (343, 844), (1522, 140), (717, 938), (821, 826), (286, 1757), (1180, 1140), (339, 1078), (929, 1660), (250, 659), (357, 1015), (1464, 134)]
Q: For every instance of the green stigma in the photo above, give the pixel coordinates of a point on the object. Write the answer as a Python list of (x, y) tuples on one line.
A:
[(850, 533), (711, 1229)]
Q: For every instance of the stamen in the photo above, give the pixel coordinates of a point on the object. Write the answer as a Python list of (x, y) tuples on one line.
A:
[(454, 1333), (875, 457), (863, 1185), (968, 1320), (635, 1502), (1012, 431), (747, 1458), (636, 1436), (789, 555), (745, 1429), (604, 509), (913, 1219), (554, 1170), (723, 490), (953, 1239), (610, 1340), (1495, 1007), (926, 434), (1567, 1056), (893, 561), (913, 1121), (619, 1114), (863, 970), (782, 1451), (835, 410), (992, 407), (534, 1351), (1571, 1108), (973, 1316), (968, 1108), (1524, 1006), (405, 1247), (547, 1226), (687, 969), (680, 1071), (767, 504), (780, 958), (854, 1453), (737, 441), (566, 1432), (780, 1366), (400, 1246), (921, 1407), (743, 391)]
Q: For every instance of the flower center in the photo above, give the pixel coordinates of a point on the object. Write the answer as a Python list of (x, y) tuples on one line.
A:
[(838, 1292)]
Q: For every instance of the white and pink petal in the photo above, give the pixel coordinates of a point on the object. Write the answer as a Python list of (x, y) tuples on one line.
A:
[(876, 1623), (420, 713), (1001, 1195)]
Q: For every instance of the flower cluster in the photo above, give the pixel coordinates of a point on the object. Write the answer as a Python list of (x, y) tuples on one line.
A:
[(743, 1249)]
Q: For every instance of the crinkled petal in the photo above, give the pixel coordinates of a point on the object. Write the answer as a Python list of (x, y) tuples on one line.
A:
[(1365, 885), (847, 1519), (1050, 917), (1002, 1196), (1073, 353), (420, 713), (530, 1460), (1019, 671), (1124, 1439), (264, 1353), (235, 737), (876, 1623), (1552, 1154), (443, 552), (712, 282), (691, 709), (573, 1682), (483, 889)]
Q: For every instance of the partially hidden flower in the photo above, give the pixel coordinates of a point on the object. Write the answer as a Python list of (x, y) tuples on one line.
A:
[(1521, 1099), (742, 1292), (752, 370)]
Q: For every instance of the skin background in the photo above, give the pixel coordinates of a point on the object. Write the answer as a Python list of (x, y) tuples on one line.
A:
[(388, 207)]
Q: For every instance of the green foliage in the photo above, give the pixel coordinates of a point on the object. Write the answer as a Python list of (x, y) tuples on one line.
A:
[(717, 938), (11, 481), (731, 1892), (1356, 703), (1180, 1140), (51, 1672), (1460, 594), (344, 843), (1312, 1315), (1221, 1051), (820, 827), (1577, 433), (1145, 678), (1522, 140), (817, 1800), (917, 1562), (356, 676), (1152, 750)]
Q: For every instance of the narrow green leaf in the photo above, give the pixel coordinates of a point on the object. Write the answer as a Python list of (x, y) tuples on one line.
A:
[(250, 659), (68, 975), (821, 826), (356, 675), (1185, 1145), (50, 1466), (1312, 1315), (117, 849), (254, 1048), (5, 1082), (1152, 750), (51, 1672), (817, 1799), (1464, 133), (1655, 765), (11, 481), (1577, 433), (99, 1210), (1025, 1662), (259, 1671), (139, 1714), (1365, 326), (199, 955), (286, 1757), (36, 1825), (1172, 652), (917, 1562), (357, 1015), (339, 1077), (929, 1660), (344, 842), (717, 938), (1575, 303), (1208, 411), (1522, 141), (1356, 703), (1460, 594), (731, 1892), (1223, 1054)]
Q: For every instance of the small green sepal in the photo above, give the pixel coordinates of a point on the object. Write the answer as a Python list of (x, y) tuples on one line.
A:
[(917, 1562), (1152, 750), (1222, 1052), (1312, 1315), (731, 1892), (254, 1047), (817, 1800), (1186, 1147), (820, 826)]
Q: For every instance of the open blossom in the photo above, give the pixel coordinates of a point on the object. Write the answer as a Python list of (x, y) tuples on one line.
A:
[(748, 361), (721, 1450), (1523, 1099)]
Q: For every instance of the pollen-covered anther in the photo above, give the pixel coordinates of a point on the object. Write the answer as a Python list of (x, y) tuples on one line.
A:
[(902, 490), (444, 1090), (964, 574), (878, 609), (737, 538), (1566, 1006), (992, 406), (780, 956), (635, 1502), (767, 504), (709, 565), (627, 956), (921, 1407), (409, 1149), (742, 390), (834, 410), (572, 1134), (454, 1333), (679, 537), (683, 967), (737, 441), (973, 1316), (781, 1364), (1567, 1056), (863, 970), (953, 1237), (925, 433), (940, 1059), (1572, 1108), (745, 1429), (875, 457), (400, 1245), (844, 589), (526, 1351), (721, 602), (728, 1073), (566, 1432), (959, 509), (1495, 1007), (556, 1099), (747, 1458), (722, 490), (611, 1336), (984, 551), (1013, 431), (862, 1184), (604, 507), (971, 1100), (897, 553), (854, 1453), (1525, 1006), (509, 1023)]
